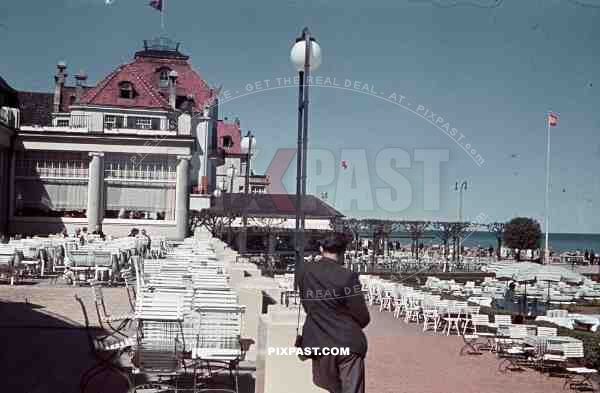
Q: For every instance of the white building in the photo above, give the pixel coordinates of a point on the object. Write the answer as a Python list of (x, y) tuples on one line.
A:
[(123, 153)]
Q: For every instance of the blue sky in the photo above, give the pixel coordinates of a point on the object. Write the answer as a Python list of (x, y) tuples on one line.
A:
[(490, 72)]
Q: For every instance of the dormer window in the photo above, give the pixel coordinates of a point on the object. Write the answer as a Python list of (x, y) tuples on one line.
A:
[(163, 77), (227, 141), (126, 90)]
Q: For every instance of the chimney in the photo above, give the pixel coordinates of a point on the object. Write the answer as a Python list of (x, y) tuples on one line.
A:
[(80, 78), (59, 83), (172, 89), (237, 122)]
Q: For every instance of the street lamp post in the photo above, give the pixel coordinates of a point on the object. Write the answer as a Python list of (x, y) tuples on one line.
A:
[(305, 58), (460, 187), (249, 139), (230, 174)]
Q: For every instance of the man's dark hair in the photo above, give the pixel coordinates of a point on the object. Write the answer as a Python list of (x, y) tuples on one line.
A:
[(336, 242)]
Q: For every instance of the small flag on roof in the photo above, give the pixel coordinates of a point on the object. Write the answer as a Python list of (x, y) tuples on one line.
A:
[(344, 164), (552, 119), (157, 5)]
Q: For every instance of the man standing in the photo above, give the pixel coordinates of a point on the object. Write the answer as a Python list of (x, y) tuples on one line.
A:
[(336, 314), (148, 245)]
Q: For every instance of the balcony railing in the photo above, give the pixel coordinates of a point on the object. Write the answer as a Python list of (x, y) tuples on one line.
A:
[(51, 169), (10, 117), (116, 123), (145, 172)]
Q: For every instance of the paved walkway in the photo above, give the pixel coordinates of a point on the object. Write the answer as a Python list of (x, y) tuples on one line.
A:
[(403, 359), (45, 351)]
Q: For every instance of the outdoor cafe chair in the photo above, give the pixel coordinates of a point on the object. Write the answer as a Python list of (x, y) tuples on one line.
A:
[(104, 317), (128, 277), (218, 343), (431, 317), (398, 305), (480, 324), (513, 354), (578, 377), (7, 266), (386, 301), (470, 310), (413, 307), (107, 350), (158, 361), (454, 316), (547, 331)]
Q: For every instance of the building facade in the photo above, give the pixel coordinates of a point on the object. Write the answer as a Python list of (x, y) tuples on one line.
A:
[(127, 152), (231, 174), (9, 122)]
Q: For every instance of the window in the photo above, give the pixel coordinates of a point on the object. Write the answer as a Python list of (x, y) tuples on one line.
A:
[(62, 123), (113, 121), (227, 141), (140, 187), (143, 123), (163, 77), (72, 99), (51, 184), (126, 90)]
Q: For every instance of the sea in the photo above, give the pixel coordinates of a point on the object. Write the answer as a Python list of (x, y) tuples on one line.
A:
[(559, 242)]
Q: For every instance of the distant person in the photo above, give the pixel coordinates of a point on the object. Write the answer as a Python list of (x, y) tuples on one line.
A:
[(134, 232), (83, 236), (99, 232), (334, 320), (147, 247)]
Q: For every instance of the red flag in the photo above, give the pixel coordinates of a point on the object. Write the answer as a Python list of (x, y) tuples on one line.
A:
[(157, 5), (344, 164), (552, 119)]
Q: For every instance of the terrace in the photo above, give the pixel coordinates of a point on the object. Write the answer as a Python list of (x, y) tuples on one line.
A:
[(45, 326)]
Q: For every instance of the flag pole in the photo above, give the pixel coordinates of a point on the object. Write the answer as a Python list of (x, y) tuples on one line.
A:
[(162, 15), (547, 204)]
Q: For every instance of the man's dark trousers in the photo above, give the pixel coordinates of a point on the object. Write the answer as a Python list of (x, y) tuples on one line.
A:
[(340, 373)]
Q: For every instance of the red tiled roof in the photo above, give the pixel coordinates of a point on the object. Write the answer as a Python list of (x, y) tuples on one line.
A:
[(142, 73), (273, 205), (233, 130)]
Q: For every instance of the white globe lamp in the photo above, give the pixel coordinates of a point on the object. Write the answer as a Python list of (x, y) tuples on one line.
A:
[(245, 145), (298, 54)]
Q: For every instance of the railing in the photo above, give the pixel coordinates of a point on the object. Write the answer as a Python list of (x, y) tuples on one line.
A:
[(51, 169), (80, 121), (11, 117), (118, 123), (125, 170)]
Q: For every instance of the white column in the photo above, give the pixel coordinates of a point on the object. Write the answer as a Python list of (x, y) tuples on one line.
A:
[(95, 183), (182, 195)]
